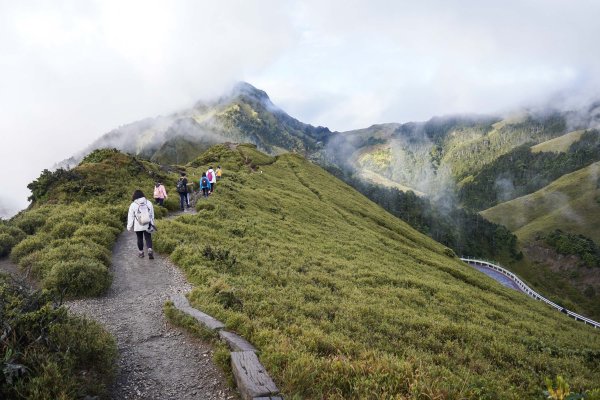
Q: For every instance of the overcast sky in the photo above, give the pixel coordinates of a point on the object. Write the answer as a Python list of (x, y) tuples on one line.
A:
[(72, 70)]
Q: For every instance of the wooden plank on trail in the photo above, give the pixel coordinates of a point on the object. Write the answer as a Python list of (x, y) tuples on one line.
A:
[(182, 304), (251, 377), (236, 342)]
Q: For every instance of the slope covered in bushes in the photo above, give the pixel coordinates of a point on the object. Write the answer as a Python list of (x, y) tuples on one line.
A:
[(346, 301), (65, 238)]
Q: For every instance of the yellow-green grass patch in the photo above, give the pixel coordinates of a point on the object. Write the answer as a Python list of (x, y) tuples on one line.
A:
[(558, 145)]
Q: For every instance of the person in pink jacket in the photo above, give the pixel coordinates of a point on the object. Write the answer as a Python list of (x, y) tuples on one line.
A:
[(160, 193)]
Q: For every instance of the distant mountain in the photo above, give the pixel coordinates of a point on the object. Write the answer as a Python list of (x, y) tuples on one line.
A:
[(571, 203), (246, 114), (567, 209)]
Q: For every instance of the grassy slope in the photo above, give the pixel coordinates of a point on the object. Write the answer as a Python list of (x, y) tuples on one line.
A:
[(381, 180), (346, 301), (569, 203), (559, 144)]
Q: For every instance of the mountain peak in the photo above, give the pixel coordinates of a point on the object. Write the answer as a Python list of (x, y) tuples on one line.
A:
[(246, 89)]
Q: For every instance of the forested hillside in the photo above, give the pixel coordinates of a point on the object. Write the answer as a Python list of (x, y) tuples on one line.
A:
[(523, 171), (465, 232)]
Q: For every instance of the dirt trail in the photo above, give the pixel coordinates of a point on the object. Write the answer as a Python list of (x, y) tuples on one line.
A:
[(156, 361)]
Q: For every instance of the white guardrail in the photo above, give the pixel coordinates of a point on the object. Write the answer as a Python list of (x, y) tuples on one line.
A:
[(529, 291)]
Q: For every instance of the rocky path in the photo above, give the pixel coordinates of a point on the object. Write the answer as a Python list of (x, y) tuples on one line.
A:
[(156, 360)]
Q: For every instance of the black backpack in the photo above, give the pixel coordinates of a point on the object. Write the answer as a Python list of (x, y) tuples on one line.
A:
[(181, 186)]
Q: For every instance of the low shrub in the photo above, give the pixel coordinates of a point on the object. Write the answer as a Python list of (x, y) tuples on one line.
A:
[(31, 220), (114, 216), (60, 214), (172, 202), (64, 230), (46, 353), (77, 278), (73, 280), (101, 234), (205, 206), (164, 245), (27, 246), (9, 237)]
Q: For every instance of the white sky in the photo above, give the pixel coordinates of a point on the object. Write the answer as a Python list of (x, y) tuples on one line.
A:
[(72, 70)]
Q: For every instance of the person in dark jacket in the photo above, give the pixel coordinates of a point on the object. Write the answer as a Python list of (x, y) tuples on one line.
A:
[(182, 190)]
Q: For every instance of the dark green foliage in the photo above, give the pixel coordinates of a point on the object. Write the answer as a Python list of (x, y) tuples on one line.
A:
[(99, 155), (222, 258), (465, 232), (521, 172), (45, 353), (40, 187), (579, 245), (9, 237)]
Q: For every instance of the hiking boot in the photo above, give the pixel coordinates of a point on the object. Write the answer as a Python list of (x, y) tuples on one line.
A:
[(141, 254), (151, 254)]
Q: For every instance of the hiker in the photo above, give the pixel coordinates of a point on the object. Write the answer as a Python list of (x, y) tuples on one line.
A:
[(141, 219), (160, 193), (204, 185), (218, 172), (182, 190), (210, 174)]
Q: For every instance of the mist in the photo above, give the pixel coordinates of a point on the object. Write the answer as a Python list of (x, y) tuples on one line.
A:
[(71, 71)]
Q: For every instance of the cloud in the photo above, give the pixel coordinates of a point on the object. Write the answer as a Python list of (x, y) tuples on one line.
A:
[(382, 61), (73, 70)]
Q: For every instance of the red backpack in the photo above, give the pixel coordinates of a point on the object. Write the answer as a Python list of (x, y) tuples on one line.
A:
[(209, 175)]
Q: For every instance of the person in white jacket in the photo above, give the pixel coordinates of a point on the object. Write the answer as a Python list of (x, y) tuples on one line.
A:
[(140, 218), (212, 177)]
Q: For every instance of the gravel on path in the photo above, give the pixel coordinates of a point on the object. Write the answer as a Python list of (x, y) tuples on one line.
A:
[(156, 360)]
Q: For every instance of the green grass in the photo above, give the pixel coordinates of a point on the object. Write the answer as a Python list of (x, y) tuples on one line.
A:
[(559, 144), (571, 203), (345, 301)]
